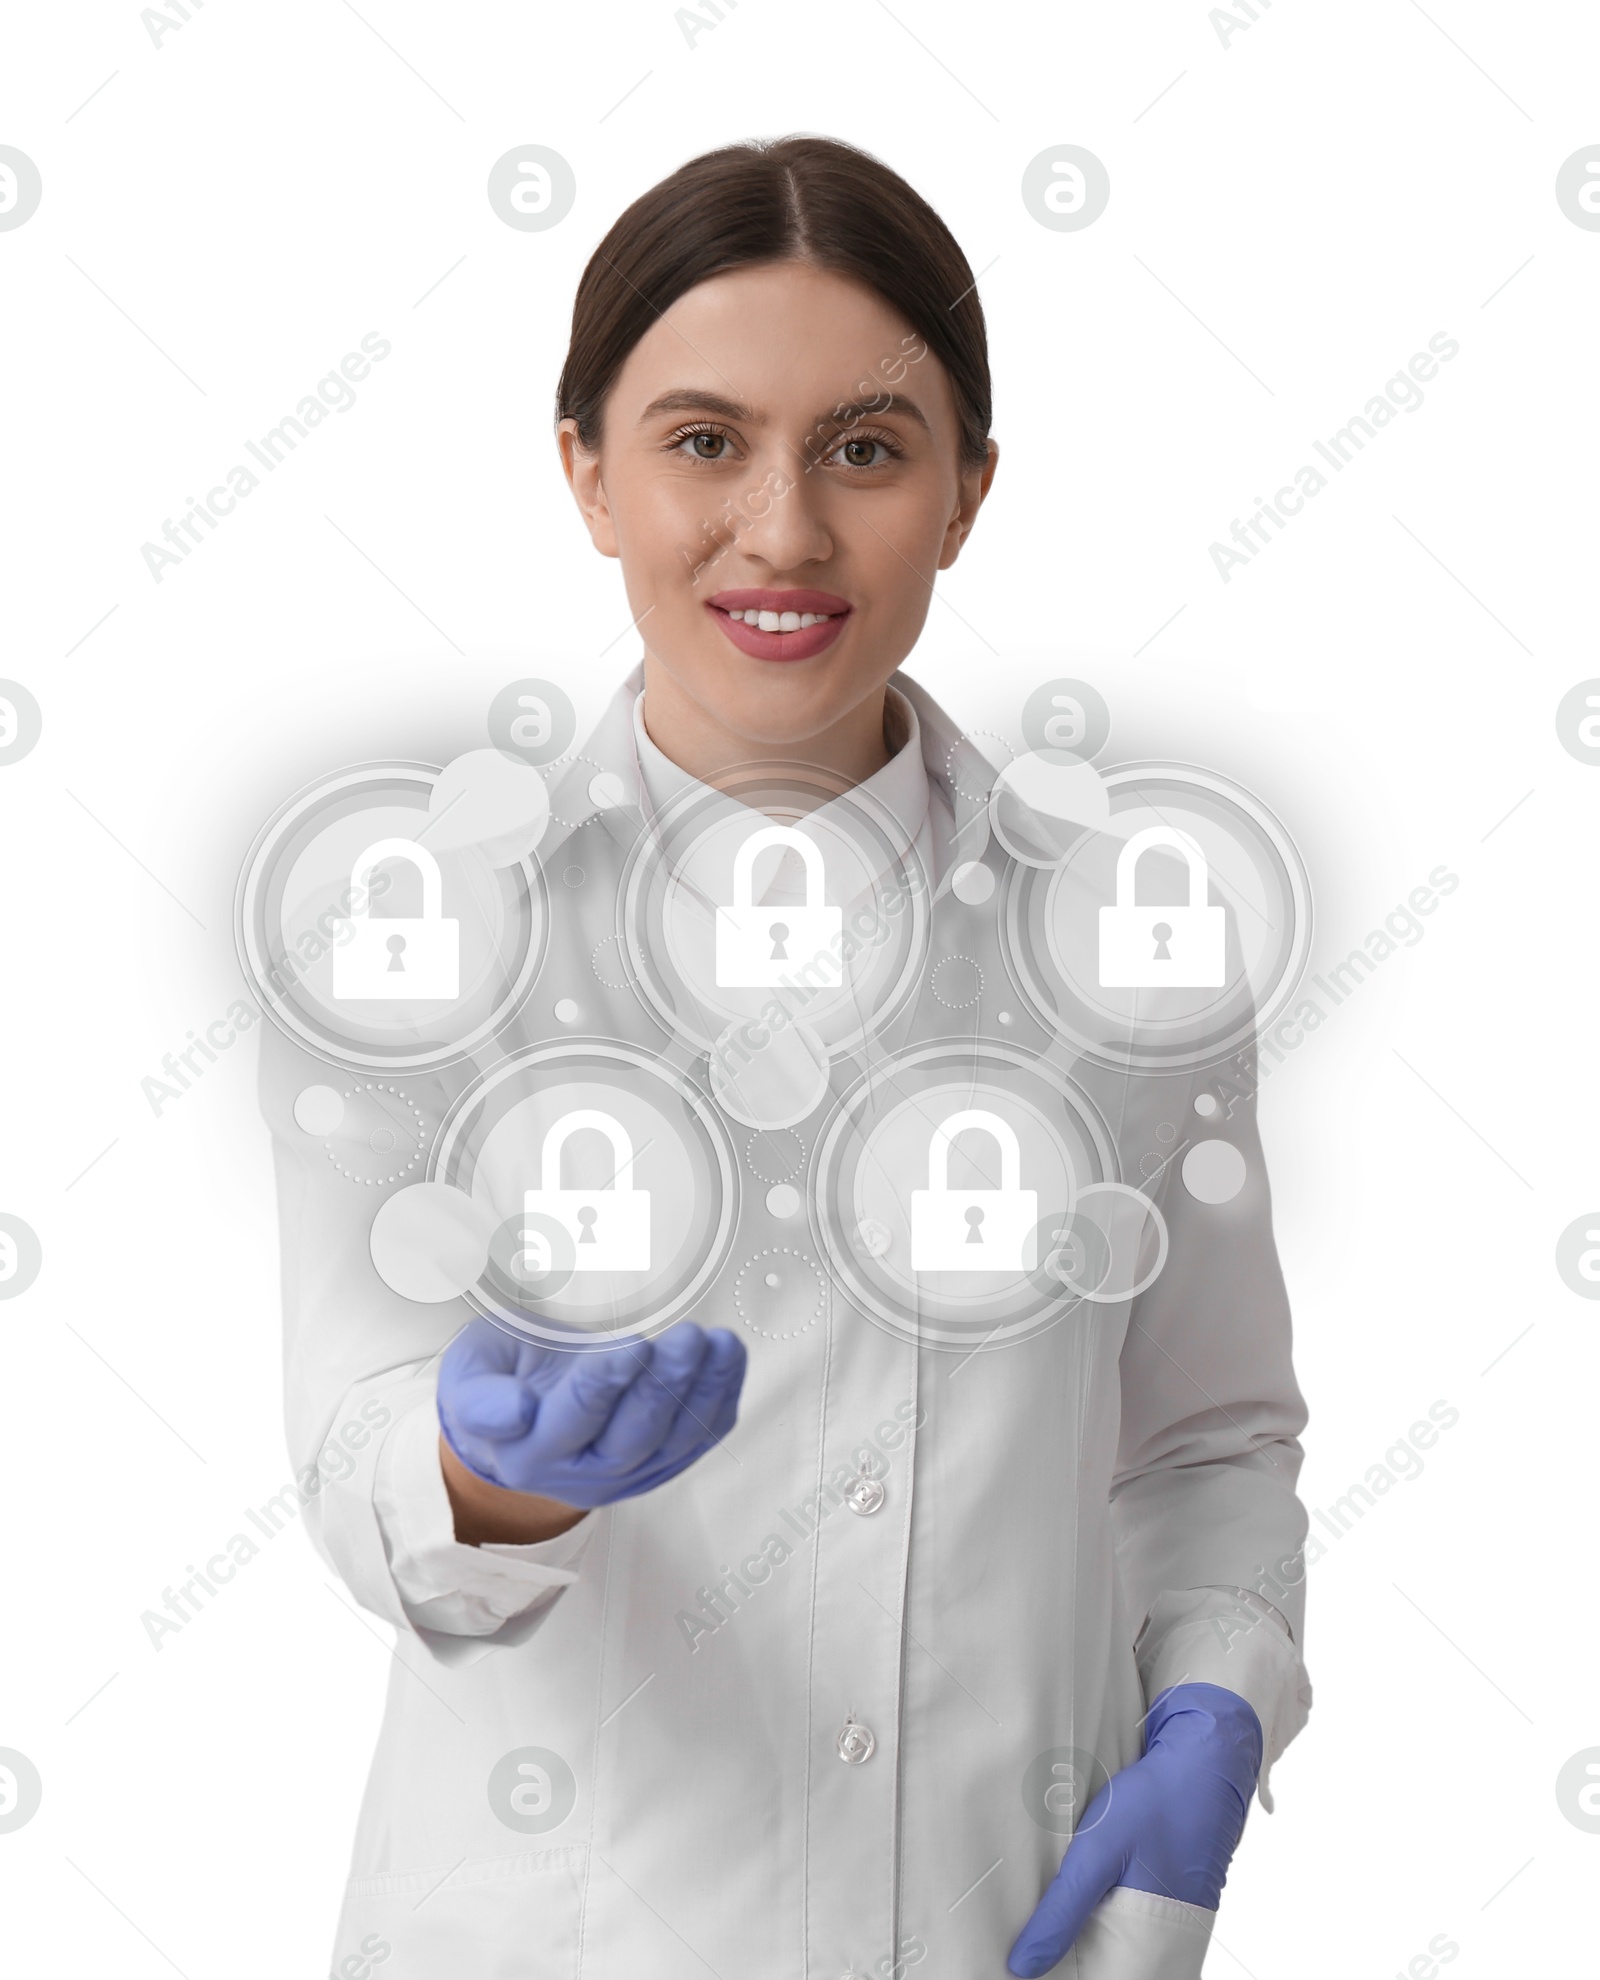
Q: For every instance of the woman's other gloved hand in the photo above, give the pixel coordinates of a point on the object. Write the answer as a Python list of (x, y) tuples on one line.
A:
[(1169, 1823), (589, 1427)]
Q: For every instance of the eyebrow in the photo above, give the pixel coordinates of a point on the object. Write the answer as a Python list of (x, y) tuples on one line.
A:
[(688, 400)]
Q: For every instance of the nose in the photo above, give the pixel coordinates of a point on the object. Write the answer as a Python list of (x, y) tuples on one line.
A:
[(788, 527)]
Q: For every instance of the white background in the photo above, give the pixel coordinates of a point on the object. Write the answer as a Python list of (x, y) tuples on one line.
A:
[(1298, 213)]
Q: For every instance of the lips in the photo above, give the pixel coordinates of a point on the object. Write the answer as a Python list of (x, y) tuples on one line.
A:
[(801, 643)]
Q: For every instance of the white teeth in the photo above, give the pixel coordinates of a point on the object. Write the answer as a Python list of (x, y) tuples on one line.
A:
[(780, 621)]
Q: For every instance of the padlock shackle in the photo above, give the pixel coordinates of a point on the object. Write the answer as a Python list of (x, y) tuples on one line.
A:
[(974, 1117), (417, 856), (569, 1124), (744, 864), (1188, 849)]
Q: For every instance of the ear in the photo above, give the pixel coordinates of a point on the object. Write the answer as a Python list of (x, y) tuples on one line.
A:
[(975, 484), (582, 470)]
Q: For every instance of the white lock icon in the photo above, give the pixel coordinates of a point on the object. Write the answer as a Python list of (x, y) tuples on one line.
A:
[(973, 1230), (763, 947), (609, 1228), (1148, 947), (398, 958)]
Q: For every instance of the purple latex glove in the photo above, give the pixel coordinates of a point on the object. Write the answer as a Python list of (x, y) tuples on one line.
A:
[(587, 1428), (1169, 1823)]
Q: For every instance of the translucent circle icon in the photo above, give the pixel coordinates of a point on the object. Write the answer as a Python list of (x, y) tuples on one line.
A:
[(780, 902), (1167, 939), (20, 1256), (532, 1789), (378, 931), (21, 188), (21, 724), (21, 1790), (1577, 720), (490, 802), (1066, 188), (1042, 803), (533, 721), (532, 188), (933, 1180), (1578, 1790), (430, 1242), (604, 1184), (1213, 1172), (1578, 188), (1067, 715), (1059, 1785), (1110, 1247), (1577, 1256)]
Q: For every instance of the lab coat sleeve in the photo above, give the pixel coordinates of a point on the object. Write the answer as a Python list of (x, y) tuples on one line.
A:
[(1209, 1531), (360, 1364)]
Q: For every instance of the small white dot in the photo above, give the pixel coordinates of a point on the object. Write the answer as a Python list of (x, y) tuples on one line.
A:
[(972, 882), (783, 1200), (1005, 1017), (772, 1281), (1205, 1104), (605, 790), (318, 1109), (568, 1011)]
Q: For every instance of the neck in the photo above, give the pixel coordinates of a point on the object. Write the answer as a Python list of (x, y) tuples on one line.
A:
[(848, 752)]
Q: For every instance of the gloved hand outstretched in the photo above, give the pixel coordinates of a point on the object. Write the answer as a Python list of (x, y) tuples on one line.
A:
[(593, 1426), (1169, 1823)]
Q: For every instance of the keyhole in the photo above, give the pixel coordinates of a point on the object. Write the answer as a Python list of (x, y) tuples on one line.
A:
[(397, 945), (974, 1220), (1162, 932), (779, 931), (586, 1217)]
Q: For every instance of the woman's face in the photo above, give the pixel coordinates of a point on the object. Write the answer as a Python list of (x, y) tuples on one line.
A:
[(779, 474)]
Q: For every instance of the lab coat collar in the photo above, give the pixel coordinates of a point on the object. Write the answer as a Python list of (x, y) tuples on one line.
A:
[(950, 763)]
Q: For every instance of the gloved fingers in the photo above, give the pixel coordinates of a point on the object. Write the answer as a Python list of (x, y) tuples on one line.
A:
[(709, 1408), (1093, 1863), (480, 1348), (496, 1407), (576, 1410), (643, 1417)]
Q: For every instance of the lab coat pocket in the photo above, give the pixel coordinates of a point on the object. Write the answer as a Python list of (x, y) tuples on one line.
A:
[(1136, 1935)]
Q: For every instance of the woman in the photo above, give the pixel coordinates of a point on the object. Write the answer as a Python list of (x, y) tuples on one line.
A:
[(784, 1642)]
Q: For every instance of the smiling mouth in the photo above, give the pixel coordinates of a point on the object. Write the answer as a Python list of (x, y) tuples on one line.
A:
[(780, 625)]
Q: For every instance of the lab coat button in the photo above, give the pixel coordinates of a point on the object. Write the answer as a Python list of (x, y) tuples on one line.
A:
[(865, 1496), (857, 1743)]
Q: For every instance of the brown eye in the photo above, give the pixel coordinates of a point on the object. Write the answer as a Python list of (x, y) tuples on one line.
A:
[(858, 453), (708, 446)]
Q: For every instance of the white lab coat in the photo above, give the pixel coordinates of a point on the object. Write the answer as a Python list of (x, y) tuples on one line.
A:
[(1067, 1526)]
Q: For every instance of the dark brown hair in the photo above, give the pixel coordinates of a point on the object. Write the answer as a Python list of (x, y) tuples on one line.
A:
[(808, 199)]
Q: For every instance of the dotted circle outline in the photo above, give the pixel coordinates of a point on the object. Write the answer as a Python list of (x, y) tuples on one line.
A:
[(594, 962), (379, 1182), (971, 736), (950, 1003), (772, 1182), (780, 1251)]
